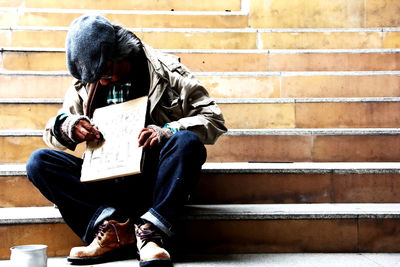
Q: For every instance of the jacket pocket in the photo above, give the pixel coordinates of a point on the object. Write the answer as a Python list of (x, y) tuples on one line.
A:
[(170, 106)]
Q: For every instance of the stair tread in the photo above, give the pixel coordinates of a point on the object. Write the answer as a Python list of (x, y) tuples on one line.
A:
[(235, 100), (260, 260), (64, 11), (302, 167), (34, 215), (294, 211), (233, 73), (16, 169), (232, 51), (289, 131), (238, 29)]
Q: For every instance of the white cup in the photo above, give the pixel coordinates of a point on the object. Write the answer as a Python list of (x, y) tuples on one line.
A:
[(29, 256)]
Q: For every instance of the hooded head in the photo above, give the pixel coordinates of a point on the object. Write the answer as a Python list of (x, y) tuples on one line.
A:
[(89, 44)]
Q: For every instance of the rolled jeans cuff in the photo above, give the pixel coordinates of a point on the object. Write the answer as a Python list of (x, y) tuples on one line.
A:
[(157, 220), (102, 213)]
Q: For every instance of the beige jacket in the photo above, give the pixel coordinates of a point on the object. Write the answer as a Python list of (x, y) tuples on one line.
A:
[(175, 97)]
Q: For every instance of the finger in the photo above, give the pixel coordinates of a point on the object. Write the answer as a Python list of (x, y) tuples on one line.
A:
[(143, 137), (148, 139), (82, 130), (154, 141), (95, 131), (92, 130), (85, 124), (153, 136), (79, 136), (141, 131), (90, 137), (87, 134)]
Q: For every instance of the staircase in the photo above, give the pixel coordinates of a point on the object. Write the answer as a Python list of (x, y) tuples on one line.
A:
[(310, 91)]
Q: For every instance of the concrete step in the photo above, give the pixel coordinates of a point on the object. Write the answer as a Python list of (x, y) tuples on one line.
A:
[(258, 145), (323, 14), (14, 84), (208, 38), (178, 5), (298, 182), (310, 113), (18, 145), (307, 145), (255, 183), (260, 260), (380, 112), (236, 228), (44, 17), (268, 13), (274, 60)]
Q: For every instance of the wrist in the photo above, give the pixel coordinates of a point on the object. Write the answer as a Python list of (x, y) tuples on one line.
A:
[(163, 133)]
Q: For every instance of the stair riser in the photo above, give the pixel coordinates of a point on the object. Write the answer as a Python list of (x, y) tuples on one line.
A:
[(311, 115), (14, 86), (58, 237), (18, 149), (305, 149), (264, 148), (340, 86), (348, 235), (222, 40), (275, 14), (222, 62), (17, 191), (248, 116), (14, 18), (297, 188), (324, 14), (312, 61), (177, 5), (258, 236), (347, 115)]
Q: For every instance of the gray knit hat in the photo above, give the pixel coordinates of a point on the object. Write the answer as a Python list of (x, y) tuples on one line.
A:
[(89, 44)]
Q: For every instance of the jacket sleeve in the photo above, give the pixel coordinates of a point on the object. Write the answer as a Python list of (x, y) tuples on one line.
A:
[(200, 112), (72, 110)]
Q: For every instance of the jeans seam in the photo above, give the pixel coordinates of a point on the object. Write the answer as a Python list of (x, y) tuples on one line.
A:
[(158, 221), (161, 218)]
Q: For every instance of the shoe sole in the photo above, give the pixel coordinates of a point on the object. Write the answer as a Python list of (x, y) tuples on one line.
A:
[(156, 263), (125, 253)]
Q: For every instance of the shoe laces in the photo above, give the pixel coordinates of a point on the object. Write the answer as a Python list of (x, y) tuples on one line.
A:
[(104, 228), (149, 235)]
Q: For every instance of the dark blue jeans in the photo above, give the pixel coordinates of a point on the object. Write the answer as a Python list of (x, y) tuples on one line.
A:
[(157, 195)]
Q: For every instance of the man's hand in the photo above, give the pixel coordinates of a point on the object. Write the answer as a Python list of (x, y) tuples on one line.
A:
[(85, 131), (148, 138), (153, 135)]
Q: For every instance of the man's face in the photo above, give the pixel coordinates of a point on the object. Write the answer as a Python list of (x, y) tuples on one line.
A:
[(115, 73)]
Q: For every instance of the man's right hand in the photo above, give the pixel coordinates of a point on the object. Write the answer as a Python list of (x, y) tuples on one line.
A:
[(85, 131)]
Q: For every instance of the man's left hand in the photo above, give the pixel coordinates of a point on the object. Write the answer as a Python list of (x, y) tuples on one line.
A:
[(148, 138), (153, 135)]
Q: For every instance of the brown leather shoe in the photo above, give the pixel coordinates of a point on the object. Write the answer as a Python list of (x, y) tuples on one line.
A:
[(113, 241), (150, 245)]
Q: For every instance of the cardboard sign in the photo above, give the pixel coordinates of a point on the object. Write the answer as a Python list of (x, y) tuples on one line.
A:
[(118, 153)]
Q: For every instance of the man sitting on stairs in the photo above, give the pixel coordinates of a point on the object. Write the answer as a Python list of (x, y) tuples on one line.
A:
[(120, 217)]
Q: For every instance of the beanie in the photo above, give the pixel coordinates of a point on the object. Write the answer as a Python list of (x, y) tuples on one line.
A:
[(89, 44)]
